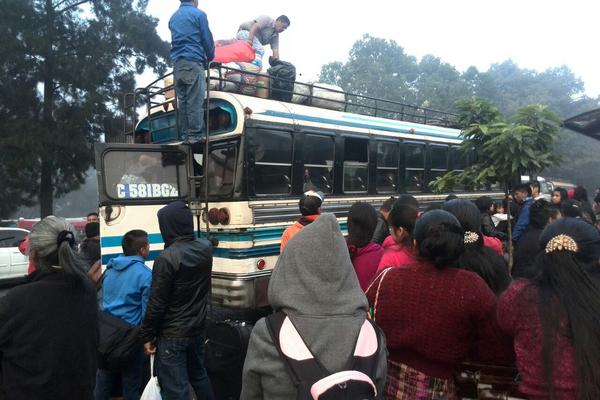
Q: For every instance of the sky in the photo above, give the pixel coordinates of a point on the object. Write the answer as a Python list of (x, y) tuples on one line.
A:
[(535, 34)]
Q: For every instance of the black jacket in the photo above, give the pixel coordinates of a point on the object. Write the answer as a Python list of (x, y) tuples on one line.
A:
[(381, 230), (48, 339), (179, 294), (489, 229)]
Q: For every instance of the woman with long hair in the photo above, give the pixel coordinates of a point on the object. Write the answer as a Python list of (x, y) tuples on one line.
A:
[(477, 257), (434, 315), (48, 327), (554, 318), (365, 254), (401, 220)]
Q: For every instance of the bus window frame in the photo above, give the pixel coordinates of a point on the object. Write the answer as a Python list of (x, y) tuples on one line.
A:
[(251, 154), (105, 199), (397, 168), (305, 139), (423, 170), (356, 164), (236, 177), (436, 170)]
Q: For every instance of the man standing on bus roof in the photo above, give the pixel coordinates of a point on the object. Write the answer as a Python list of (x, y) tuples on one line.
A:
[(192, 48), (310, 208), (262, 31)]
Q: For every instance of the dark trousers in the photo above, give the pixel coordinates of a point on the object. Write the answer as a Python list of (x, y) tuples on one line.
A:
[(179, 363), (190, 87), (131, 378)]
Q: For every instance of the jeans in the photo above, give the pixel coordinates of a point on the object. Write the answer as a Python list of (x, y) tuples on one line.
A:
[(131, 379), (190, 86), (179, 363)]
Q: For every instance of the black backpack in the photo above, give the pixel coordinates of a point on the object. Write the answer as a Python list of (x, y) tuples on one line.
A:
[(283, 77), (311, 379)]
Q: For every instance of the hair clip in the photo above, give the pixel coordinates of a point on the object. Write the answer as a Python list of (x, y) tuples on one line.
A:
[(561, 243), (471, 237)]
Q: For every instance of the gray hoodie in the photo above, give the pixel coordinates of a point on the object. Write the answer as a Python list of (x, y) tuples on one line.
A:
[(314, 283)]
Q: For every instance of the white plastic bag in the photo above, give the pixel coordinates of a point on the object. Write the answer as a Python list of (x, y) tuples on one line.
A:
[(152, 390)]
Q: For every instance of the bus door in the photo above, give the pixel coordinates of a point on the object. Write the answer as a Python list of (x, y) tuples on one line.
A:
[(134, 182)]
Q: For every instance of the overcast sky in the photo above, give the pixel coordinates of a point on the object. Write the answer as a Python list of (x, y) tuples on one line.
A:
[(535, 34)]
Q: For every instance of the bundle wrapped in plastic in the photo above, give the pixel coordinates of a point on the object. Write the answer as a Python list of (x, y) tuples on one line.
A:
[(301, 93), (242, 81), (328, 96)]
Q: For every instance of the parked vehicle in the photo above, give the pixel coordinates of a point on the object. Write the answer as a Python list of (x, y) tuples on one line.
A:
[(13, 264)]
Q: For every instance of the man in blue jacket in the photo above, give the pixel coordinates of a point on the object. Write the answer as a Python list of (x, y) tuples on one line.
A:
[(192, 48), (125, 293)]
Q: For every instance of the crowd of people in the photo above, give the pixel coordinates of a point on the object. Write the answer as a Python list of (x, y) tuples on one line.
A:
[(58, 335), (438, 285), (393, 309)]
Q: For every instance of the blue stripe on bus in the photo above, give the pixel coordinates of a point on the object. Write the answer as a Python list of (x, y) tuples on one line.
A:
[(232, 254), (430, 128), (250, 235), (115, 241), (352, 124)]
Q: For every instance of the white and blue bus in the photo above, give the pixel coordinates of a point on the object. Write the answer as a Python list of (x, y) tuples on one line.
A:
[(262, 155)]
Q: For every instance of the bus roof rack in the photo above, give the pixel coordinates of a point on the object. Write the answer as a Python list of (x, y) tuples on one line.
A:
[(160, 94)]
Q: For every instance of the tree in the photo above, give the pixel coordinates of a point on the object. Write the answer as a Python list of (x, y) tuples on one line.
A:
[(64, 67), (504, 150)]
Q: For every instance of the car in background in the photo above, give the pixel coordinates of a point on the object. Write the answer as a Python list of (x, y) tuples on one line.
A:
[(13, 264)]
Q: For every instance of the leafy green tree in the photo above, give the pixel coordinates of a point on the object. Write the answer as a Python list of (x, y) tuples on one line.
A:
[(504, 150), (64, 67)]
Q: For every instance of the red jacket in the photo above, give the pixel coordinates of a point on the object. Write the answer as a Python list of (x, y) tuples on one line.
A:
[(519, 317), (397, 255), (365, 261), (433, 319)]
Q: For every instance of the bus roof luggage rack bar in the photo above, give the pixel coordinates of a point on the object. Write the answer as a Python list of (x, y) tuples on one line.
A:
[(160, 95)]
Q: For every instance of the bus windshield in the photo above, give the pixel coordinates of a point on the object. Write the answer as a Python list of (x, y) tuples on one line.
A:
[(147, 174)]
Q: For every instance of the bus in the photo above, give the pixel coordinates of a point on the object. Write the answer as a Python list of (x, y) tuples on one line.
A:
[(260, 156)]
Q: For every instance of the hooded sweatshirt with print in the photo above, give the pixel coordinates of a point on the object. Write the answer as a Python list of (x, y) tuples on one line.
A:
[(314, 283), (126, 288)]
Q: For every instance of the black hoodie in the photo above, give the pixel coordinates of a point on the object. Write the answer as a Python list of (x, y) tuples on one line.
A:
[(180, 278)]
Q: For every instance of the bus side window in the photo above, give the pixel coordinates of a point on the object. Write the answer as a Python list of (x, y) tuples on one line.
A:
[(460, 161), (318, 163), (439, 161), (414, 174), (387, 167), (272, 162), (356, 165), (220, 120)]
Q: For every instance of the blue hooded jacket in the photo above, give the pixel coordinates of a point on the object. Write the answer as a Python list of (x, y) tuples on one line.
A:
[(126, 288)]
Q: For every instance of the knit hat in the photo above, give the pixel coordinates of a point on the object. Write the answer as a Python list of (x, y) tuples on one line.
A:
[(92, 229)]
